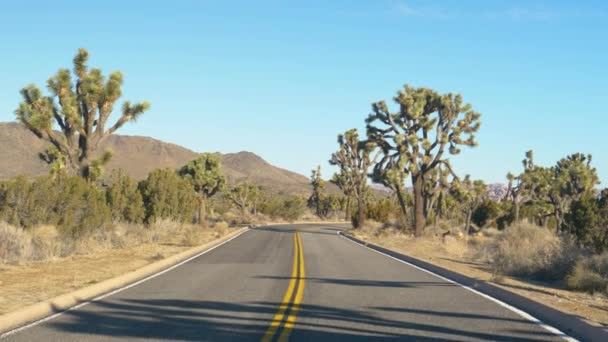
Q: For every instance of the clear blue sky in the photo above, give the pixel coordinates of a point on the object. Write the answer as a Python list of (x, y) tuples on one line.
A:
[(283, 78)]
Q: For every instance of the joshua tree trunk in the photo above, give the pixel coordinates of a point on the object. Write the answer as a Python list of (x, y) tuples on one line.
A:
[(202, 212), (419, 217), (402, 203), (347, 210), (361, 214)]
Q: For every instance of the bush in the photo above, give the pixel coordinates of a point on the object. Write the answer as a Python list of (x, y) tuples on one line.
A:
[(124, 199), (15, 244), (588, 222), (80, 207), (167, 196), (381, 210), (531, 251), (590, 274), (71, 203), (289, 209), (486, 213)]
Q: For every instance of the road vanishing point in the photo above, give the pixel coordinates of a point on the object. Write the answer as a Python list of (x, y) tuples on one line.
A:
[(300, 282)]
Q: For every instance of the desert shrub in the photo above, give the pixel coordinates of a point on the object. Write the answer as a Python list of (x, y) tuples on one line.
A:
[(530, 251), (80, 207), (288, 208), (381, 210), (486, 213), (330, 205), (15, 243), (587, 220), (590, 274), (70, 203), (26, 203), (167, 196), (124, 199)]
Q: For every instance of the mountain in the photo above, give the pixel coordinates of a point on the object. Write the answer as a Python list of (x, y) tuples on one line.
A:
[(139, 155)]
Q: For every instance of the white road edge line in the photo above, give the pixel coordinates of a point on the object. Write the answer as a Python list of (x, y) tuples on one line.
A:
[(76, 307), (522, 313)]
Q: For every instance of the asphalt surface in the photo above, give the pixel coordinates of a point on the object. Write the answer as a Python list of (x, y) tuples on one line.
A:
[(236, 291)]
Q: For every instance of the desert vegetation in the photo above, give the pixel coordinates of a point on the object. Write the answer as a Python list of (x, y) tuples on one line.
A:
[(549, 225), (78, 208)]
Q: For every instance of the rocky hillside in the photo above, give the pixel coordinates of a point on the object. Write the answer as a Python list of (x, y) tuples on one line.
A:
[(139, 155)]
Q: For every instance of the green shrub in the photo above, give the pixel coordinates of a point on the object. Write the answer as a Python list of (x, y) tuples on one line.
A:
[(486, 213), (289, 208), (590, 274), (167, 196), (71, 203), (381, 210), (124, 199), (80, 207), (530, 251), (587, 220)]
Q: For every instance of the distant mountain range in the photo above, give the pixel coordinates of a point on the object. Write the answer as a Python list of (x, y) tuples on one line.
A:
[(139, 155)]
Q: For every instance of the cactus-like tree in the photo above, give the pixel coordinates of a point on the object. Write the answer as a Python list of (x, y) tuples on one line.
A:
[(205, 175), (340, 179), (80, 109), (354, 160), (318, 186), (469, 194), (417, 137), (521, 188), (245, 196), (573, 178)]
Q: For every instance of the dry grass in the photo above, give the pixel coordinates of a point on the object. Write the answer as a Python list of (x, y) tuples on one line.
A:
[(462, 255), (103, 256), (526, 250), (590, 274)]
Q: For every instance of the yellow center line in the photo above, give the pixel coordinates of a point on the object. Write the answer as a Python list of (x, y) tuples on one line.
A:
[(278, 317), (291, 319)]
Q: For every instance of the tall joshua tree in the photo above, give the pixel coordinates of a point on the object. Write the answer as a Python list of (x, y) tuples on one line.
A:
[(318, 185), (205, 175), (354, 160), (80, 109), (340, 179), (416, 138)]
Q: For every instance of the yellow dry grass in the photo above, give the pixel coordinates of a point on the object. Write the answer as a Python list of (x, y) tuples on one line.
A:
[(456, 255), (28, 283)]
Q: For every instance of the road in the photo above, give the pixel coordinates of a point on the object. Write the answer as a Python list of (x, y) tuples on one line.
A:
[(273, 284)]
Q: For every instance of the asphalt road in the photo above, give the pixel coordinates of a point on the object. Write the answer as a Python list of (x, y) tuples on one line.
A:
[(272, 284)]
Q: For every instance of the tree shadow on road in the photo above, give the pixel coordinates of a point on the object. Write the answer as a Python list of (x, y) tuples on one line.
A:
[(170, 319)]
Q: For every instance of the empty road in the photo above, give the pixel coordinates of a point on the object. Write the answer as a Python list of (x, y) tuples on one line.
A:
[(273, 284)]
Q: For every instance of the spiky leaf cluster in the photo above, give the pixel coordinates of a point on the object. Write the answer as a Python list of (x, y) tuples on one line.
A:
[(80, 106), (415, 138), (205, 174)]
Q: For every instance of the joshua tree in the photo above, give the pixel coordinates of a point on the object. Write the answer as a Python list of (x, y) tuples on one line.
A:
[(205, 175), (520, 187), (573, 177), (245, 196), (80, 109), (318, 185), (354, 161), (415, 139), (470, 195), (341, 181)]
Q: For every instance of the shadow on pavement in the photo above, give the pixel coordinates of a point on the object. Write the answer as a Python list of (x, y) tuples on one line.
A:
[(217, 321)]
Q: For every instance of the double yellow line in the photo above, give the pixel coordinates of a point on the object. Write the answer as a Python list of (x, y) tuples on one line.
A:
[(292, 298)]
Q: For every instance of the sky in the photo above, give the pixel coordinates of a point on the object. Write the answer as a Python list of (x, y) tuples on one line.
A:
[(283, 78)]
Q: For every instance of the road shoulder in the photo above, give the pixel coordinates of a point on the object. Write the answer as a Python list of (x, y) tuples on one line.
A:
[(570, 324), (48, 308)]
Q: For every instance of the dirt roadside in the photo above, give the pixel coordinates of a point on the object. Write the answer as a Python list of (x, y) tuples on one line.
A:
[(25, 284)]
